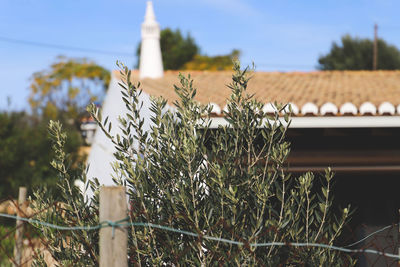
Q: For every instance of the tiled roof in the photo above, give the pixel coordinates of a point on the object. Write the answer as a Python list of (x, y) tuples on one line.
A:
[(321, 93)]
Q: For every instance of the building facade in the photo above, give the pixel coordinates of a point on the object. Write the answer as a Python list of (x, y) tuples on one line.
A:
[(346, 120)]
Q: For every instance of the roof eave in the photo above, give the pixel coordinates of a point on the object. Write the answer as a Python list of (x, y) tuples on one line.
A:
[(331, 122)]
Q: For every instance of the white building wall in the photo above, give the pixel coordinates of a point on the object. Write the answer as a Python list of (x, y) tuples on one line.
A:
[(101, 154)]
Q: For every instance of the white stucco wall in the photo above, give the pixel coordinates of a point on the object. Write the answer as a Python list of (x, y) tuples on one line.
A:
[(101, 154)]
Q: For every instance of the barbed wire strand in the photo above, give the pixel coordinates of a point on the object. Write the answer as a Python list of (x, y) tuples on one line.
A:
[(370, 235), (120, 224)]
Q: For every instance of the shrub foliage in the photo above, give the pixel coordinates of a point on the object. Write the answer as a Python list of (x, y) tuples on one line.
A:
[(229, 183)]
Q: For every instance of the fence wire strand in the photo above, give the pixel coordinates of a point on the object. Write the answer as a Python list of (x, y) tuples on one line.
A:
[(124, 223)]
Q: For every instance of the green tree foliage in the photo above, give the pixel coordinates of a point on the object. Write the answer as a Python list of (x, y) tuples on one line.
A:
[(176, 49), (67, 87), (227, 183), (61, 92), (69, 207), (7, 245), (182, 53), (203, 62), (26, 152), (357, 54)]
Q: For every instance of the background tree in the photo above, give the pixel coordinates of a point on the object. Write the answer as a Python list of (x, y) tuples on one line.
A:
[(63, 91), (26, 152), (182, 53), (203, 62), (357, 54), (67, 87), (176, 49)]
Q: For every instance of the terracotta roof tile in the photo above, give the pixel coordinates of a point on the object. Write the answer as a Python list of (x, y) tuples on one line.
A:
[(337, 87)]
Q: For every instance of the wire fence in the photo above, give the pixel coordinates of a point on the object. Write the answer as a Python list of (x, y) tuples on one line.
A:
[(375, 246), (32, 240)]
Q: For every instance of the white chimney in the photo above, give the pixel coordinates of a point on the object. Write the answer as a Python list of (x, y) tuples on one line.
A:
[(151, 65)]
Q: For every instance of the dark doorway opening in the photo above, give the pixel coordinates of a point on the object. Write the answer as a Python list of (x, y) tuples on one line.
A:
[(366, 162)]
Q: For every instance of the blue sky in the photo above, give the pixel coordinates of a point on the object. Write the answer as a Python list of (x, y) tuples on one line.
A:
[(277, 35)]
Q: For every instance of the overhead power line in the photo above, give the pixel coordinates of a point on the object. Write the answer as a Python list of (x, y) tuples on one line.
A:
[(64, 47), (115, 53)]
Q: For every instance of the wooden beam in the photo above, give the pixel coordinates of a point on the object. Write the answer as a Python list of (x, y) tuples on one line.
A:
[(113, 242), (345, 169), (344, 157), (19, 232)]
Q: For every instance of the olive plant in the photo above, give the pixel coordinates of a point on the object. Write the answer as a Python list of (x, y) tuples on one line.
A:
[(229, 183), (70, 208)]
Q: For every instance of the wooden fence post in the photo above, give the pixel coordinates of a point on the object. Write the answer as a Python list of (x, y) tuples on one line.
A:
[(113, 242), (19, 231)]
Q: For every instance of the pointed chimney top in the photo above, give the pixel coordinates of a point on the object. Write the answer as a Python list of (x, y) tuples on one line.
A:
[(149, 16), (150, 52)]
